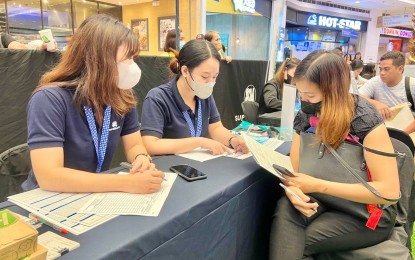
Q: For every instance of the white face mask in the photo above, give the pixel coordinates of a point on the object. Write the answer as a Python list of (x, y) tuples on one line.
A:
[(201, 90), (129, 75)]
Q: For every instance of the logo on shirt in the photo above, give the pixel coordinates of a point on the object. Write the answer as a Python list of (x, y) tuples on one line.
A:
[(114, 126)]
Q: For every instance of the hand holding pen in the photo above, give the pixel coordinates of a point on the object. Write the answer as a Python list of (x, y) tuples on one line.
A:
[(303, 208)]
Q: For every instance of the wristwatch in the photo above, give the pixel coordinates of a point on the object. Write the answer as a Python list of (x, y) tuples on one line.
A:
[(144, 154)]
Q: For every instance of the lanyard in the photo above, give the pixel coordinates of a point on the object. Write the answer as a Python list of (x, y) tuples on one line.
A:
[(102, 147), (199, 121)]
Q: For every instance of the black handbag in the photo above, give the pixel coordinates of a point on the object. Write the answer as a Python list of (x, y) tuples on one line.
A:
[(346, 164)]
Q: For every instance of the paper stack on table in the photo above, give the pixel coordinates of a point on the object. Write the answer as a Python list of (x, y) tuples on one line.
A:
[(63, 210)]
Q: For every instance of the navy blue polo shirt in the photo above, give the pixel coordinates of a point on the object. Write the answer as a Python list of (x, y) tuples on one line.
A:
[(163, 113), (53, 120)]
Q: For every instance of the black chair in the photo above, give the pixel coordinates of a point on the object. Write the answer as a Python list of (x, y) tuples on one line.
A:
[(14, 168), (250, 110), (403, 137)]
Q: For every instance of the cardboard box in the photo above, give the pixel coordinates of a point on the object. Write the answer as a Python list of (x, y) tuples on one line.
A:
[(17, 239), (40, 254)]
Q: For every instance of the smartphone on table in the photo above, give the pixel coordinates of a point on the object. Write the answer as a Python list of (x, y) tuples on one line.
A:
[(188, 173)]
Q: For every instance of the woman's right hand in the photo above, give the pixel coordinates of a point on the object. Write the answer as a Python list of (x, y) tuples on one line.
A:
[(214, 146), (145, 182), (306, 208)]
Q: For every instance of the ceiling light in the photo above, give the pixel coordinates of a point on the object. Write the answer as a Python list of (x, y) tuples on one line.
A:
[(408, 1)]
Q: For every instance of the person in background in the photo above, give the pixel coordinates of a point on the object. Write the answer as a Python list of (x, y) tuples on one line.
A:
[(8, 42), (214, 38), (388, 89), (170, 44), (181, 115), (82, 109), (271, 96), (348, 58), (357, 68), (182, 42), (358, 56), (369, 71), (302, 228)]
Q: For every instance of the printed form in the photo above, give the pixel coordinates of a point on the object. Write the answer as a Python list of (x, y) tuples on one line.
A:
[(130, 204), (202, 155)]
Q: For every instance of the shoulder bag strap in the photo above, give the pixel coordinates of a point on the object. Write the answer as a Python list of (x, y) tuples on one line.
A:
[(408, 93), (357, 176)]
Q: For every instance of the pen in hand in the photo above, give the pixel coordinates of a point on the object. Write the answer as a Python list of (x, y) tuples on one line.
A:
[(292, 193), (129, 166)]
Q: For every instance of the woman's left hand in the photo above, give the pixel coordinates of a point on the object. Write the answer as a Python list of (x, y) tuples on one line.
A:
[(239, 145), (141, 164), (304, 182)]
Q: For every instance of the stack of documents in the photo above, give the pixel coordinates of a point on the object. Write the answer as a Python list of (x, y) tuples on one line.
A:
[(80, 212)]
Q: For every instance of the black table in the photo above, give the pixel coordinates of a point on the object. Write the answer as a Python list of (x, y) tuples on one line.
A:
[(226, 216)]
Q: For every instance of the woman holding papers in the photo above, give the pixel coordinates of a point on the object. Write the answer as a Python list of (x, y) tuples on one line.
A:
[(302, 228), (180, 115), (80, 111)]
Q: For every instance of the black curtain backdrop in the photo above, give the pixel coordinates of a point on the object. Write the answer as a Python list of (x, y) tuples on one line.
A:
[(20, 71)]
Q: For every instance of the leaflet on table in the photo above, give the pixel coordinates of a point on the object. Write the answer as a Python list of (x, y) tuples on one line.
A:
[(202, 155), (266, 157), (130, 204), (56, 244)]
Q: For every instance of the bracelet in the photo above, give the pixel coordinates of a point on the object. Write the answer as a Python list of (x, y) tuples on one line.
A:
[(144, 154), (230, 142)]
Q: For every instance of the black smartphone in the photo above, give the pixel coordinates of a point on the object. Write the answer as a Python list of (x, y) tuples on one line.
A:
[(188, 173), (283, 170)]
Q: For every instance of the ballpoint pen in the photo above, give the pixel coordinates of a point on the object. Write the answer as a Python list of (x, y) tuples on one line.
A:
[(292, 193), (129, 166), (43, 221)]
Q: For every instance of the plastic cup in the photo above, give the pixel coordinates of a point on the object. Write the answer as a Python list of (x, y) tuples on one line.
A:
[(47, 37)]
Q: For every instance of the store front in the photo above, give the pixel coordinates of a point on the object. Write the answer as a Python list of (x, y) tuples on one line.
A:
[(244, 26), (306, 32), (393, 39)]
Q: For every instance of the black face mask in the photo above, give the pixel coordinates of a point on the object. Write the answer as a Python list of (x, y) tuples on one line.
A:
[(310, 108), (289, 79)]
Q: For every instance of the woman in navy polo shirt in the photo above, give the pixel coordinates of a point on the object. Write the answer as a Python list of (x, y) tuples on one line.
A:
[(80, 111), (184, 108)]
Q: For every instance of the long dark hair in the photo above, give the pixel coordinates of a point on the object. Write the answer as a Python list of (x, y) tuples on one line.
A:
[(170, 43), (192, 54), (331, 74), (89, 65)]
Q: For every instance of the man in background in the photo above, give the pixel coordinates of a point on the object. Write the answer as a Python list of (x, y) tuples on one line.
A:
[(388, 89)]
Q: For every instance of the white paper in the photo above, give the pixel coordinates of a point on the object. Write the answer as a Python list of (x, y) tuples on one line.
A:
[(288, 112), (202, 155), (121, 203), (60, 209), (199, 154), (266, 157), (401, 117), (55, 244)]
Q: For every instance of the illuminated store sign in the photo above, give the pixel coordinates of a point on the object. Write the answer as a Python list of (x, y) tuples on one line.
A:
[(333, 22), (244, 6), (396, 32)]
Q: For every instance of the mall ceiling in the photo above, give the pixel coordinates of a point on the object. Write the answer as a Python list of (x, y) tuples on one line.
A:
[(388, 5)]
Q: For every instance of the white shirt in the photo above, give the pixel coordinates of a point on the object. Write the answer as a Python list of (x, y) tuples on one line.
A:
[(376, 89)]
